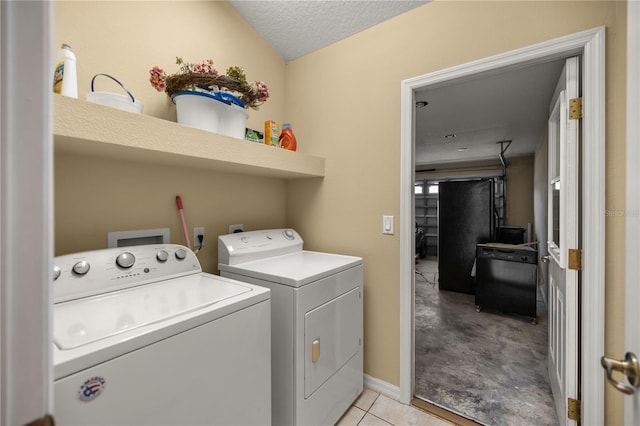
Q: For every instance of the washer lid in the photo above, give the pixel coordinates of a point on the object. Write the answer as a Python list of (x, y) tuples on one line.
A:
[(294, 269), (87, 320)]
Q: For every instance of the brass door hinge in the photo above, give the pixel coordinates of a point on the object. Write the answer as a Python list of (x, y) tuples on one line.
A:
[(573, 409), (575, 108), (575, 259)]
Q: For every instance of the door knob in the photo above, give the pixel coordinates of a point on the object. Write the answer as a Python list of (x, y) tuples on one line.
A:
[(629, 367), (545, 259)]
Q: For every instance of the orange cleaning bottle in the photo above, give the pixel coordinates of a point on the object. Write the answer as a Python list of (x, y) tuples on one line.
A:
[(287, 138)]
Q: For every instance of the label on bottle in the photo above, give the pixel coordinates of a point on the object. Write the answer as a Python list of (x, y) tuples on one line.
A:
[(58, 76)]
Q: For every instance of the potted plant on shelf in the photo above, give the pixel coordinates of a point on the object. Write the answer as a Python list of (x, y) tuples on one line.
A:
[(208, 100)]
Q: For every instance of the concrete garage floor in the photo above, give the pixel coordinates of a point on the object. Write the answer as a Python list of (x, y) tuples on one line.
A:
[(486, 366)]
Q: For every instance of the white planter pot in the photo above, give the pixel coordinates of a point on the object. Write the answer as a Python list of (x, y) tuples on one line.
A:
[(208, 112)]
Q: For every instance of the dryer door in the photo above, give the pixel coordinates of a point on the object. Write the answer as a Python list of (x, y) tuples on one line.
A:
[(332, 337)]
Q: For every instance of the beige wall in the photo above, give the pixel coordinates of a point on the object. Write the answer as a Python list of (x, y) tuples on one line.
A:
[(93, 197), (125, 39), (344, 103), (520, 191)]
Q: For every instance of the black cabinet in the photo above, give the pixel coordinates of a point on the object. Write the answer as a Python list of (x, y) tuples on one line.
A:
[(506, 278), (466, 213)]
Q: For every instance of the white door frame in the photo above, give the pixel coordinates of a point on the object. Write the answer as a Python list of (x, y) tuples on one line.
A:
[(591, 45), (26, 210), (632, 216)]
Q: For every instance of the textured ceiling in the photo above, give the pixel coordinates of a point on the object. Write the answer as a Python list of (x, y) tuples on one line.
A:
[(504, 105), (297, 27)]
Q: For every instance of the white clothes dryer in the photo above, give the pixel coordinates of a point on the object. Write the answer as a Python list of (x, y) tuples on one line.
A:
[(143, 337), (316, 321)]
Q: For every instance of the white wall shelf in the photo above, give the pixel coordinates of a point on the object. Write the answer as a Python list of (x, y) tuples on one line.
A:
[(86, 128)]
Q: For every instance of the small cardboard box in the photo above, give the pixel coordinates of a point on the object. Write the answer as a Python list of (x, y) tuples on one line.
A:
[(254, 135), (271, 133)]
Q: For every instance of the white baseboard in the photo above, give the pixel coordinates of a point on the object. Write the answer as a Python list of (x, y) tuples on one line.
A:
[(382, 387)]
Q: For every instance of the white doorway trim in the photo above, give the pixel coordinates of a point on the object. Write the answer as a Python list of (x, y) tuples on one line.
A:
[(591, 45), (632, 211), (26, 211)]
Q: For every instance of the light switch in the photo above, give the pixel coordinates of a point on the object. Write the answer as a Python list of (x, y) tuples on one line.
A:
[(387, 225)]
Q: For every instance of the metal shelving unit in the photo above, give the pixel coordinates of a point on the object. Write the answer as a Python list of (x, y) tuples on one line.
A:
[(426, 206)]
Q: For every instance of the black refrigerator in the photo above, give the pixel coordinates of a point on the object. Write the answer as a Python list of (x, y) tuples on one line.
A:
[(466, 219)]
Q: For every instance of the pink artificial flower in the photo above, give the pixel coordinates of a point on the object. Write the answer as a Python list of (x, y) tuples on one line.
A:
[(205, 67), (157, 78), (263, 91), (209, 64)]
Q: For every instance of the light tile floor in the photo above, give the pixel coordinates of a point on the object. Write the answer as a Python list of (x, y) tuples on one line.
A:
[(374, 409)]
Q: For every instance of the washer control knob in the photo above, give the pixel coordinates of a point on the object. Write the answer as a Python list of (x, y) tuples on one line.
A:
[(181, 254), (125, 260), (162, 256), (81, 267), (244, 240), (56, 272), (288, 234)]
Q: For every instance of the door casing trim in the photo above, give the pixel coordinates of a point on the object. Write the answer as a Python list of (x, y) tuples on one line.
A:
[(632, 208), (591, 45)]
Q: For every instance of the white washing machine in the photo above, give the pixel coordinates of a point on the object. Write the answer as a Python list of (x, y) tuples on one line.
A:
[(143, 337), (316, 321)]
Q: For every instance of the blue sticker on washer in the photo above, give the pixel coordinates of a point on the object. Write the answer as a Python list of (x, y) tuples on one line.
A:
[(91, 389)]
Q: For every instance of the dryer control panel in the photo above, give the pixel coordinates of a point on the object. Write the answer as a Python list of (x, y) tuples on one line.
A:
[(95, 272), (244, 247)]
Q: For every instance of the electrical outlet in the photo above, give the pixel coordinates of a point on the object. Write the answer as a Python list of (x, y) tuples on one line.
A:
[(236, 228), (196, 242)]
